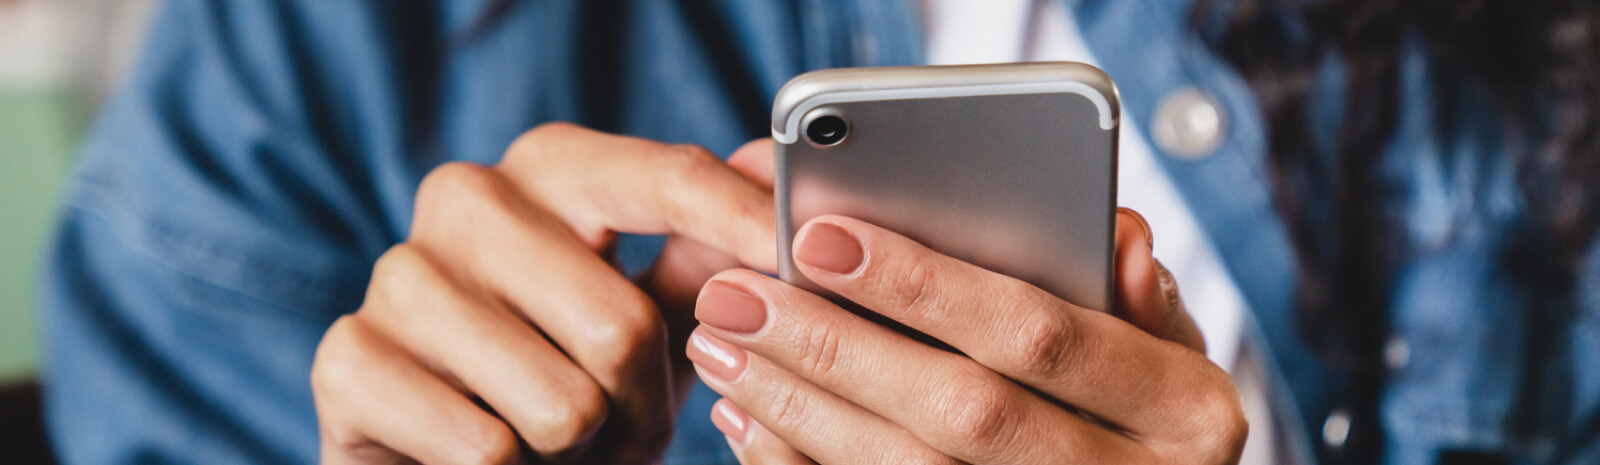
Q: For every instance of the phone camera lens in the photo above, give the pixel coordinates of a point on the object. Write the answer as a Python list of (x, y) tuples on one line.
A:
[(827, 130)]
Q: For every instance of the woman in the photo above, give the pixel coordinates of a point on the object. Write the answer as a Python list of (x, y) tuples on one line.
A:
[(1392, 198)]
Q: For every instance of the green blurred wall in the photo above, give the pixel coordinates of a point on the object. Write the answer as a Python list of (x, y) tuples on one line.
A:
[(37, 130)]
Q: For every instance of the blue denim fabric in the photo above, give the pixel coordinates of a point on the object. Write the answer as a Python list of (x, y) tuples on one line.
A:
[(233, 195), (1494, 365)]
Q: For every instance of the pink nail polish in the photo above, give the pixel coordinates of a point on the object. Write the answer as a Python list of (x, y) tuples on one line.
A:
[(717, 357), (830, 248), (731, 420), (729, 307)]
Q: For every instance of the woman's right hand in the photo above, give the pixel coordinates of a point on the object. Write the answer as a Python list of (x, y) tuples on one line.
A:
[(499, 322)]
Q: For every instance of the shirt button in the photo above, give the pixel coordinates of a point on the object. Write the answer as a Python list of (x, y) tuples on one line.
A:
[(1397, 353), (1336, 429), (1188, 124)]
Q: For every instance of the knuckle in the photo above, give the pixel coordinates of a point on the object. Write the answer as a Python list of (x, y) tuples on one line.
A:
[(820, 344), (549, 129), (570, 420), (586, 404), (634, 335), (1042, 348), (456, 189), (454, 180), (1222, 425), (787, 408), (401, 262), (686, 164), (915, 290), (979, 416), (540, 141), (487, 442), (397, 275), (691, 156), (337, 358)]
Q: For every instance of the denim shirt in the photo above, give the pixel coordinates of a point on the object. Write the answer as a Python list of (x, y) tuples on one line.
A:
[(233, 195)]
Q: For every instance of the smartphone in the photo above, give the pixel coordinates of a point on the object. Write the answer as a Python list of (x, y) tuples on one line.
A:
[(1011, 167)]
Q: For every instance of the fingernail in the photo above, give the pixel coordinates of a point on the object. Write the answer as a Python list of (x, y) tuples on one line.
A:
[(730, 307), (1149, 234), (731, 420), (719, 358), (830, 248)]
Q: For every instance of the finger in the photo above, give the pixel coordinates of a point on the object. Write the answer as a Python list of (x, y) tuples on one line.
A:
[(756, 161), (752, 443), (812, 420), (519, 252), (1088, 359), (648, 188), (370, 394), (553, 404), (684, 265), (1147, 296), (682, 268), (948, 401)]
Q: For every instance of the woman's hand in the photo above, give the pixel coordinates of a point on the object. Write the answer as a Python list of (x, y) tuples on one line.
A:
[(1037, 380), (499, 322)]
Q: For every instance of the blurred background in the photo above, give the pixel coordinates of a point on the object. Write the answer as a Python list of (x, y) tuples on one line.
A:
[(58, 60)]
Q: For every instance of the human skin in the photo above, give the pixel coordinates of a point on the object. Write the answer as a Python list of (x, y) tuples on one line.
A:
[(1035, 379), (499, 329), (499, 323)]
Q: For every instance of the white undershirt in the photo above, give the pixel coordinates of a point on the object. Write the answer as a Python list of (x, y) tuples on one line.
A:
[(991, 31)]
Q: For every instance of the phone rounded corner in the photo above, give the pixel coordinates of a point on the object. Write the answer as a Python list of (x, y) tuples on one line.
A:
[(1113, 98), (1099, 82), (790, 98)]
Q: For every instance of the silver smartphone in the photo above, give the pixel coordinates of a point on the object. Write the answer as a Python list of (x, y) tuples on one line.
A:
[(1011, 167)]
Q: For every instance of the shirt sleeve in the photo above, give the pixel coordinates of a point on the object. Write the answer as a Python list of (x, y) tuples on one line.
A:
[(221, 215)]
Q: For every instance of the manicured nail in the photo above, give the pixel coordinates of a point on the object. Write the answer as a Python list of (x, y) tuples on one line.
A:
[(731, 420), (730, 307), (830, 248), (719, 358)]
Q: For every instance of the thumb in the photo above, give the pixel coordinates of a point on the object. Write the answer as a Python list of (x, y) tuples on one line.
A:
[(755, 160), (1147, 296)]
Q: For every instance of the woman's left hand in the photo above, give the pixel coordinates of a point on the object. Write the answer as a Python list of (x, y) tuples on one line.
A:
[(1037, 380)]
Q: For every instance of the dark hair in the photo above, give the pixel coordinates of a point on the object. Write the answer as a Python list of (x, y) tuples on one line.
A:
[(1534, 61)]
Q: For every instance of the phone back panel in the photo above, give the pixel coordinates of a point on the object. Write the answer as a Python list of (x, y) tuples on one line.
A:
[(1021, 184)]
